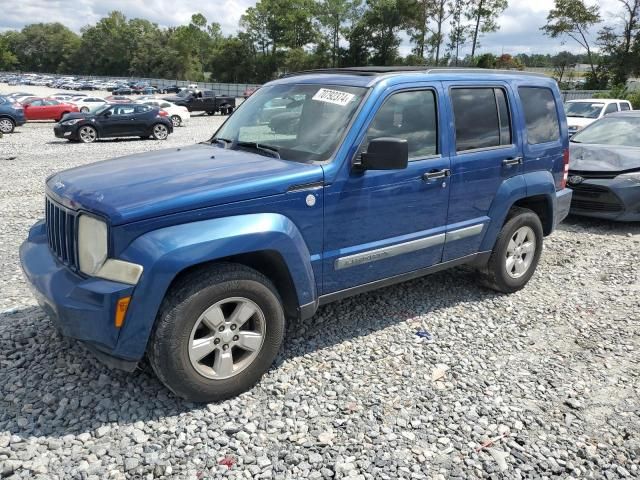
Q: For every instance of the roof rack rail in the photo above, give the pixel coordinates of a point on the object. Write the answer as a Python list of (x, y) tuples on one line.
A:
[(377, 71)]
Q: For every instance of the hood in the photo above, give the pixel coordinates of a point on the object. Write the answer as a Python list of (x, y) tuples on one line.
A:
[(72, 115), (580, 121), (147, 185), (603, 158)]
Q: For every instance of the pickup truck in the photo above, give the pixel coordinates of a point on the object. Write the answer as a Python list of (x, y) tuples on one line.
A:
[(196, 257), (204, 101)]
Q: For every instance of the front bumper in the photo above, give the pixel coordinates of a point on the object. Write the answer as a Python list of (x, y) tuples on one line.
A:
[(82, 308), (609, 198), (63, 131)]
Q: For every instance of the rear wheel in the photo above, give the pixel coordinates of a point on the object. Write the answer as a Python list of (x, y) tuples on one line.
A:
[(84, 109), (160, 132), (217, 333), (7, 125), (516, 253), (176, 120), (87, 134)]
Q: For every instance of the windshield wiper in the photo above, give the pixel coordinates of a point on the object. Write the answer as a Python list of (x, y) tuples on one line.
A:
[(273, 151), (225, 141)]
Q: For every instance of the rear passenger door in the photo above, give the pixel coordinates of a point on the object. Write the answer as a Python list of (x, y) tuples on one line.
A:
[(487, 151)]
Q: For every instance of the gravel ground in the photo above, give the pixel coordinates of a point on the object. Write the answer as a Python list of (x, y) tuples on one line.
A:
[(550, 374)]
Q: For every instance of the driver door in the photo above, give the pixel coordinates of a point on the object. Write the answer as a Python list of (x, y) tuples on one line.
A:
[(383, 223)]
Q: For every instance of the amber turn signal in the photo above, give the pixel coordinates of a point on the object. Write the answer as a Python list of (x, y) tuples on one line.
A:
[(121, 311)]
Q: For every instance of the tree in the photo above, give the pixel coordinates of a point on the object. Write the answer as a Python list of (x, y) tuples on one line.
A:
[(45, 47), (8, 58), (458, 31), (441, 13), (333, 16), (384, 20), (484, 14), (419, 25), (574, 19), (619, 45)]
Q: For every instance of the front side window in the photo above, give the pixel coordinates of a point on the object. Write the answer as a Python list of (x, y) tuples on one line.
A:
[(411, 116), (300, 122), (540, 115), (482, 118)]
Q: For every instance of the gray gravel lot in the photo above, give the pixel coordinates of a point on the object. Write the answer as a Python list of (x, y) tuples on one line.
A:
[(551, 373)]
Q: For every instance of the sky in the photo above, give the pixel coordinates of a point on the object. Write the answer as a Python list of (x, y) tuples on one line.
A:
[(519, 25)]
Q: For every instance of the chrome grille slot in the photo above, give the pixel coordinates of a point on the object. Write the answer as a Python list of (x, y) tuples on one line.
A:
[(61, 233)]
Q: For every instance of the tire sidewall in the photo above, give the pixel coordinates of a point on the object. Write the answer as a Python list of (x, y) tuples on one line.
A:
[(182, 377), (528, 219)]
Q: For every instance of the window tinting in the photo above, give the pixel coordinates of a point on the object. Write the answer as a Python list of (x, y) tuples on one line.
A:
[(408, 115), (482, 118), (540, 114), (611, 108), (624, 106)]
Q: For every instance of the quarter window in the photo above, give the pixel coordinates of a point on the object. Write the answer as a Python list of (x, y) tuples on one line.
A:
[(411, 116), (540, 115), (482, 118), (611, 108), (624, 106)]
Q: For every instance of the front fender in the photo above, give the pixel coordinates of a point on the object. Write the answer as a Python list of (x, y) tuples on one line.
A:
[(164, 253)]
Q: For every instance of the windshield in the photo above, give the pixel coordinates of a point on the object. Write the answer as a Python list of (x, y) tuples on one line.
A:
[(618, 131), (583, 109), (299, 122)]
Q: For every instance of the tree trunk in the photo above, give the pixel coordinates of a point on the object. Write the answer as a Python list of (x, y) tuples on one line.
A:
[(477, 29)]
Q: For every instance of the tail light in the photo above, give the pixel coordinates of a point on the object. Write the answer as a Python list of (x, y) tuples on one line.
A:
[(17, 106), (162, 113), (565, 172)]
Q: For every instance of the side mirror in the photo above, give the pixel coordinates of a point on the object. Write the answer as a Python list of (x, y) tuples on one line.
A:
[(385, 153)]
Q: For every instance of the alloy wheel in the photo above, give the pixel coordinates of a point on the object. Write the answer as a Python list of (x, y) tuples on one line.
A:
[(160, 132), (87, 134), (226, 338), (6, 125), (520, 252)]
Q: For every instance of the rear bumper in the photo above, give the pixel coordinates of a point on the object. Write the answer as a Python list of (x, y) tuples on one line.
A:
[(82, 308), (609, 198)]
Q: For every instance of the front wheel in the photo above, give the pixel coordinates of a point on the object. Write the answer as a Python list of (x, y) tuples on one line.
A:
[(217, 333), (7, 125), (160, 132), (516, 253), (87, 134)]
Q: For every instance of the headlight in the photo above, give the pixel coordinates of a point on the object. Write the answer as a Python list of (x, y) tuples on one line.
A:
[(70, 122), (633, 176), (92, 254), (92, 244)]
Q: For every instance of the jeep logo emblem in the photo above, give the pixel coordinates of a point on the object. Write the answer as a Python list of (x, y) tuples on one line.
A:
[(576, 179)]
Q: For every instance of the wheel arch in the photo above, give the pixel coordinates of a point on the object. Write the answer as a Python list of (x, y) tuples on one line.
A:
[(269, 243)]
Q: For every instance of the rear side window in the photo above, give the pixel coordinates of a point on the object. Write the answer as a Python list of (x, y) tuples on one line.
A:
[(540, 114), (611, 108), (482, 118), (411, 116), (624, 106)]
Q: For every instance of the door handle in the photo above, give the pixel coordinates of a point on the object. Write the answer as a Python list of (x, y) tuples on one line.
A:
[(510, 162), (435, 174)]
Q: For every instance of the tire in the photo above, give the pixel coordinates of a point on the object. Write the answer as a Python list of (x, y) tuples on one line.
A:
[(159, 131), (511, 265), (87, 134), (7, 125), (84, 109), (176, 120), (180, 324)]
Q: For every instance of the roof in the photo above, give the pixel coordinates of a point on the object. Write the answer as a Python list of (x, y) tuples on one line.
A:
[(596, 100), (369, 76)]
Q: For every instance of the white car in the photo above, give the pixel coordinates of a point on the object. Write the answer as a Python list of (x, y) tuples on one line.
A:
[(88, 104), (178, 115), (581, 113)]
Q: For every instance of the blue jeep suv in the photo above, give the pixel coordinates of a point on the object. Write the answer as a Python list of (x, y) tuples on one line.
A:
[(11, 115), (323, 184)]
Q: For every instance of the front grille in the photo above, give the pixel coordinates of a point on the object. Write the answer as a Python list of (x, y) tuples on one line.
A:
[(591, 174), (595, 198), (61, 233)]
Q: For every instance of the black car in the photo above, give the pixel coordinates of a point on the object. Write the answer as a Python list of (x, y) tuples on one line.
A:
[(122, 91), (604, 168), (171, 89), (120, 120)]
